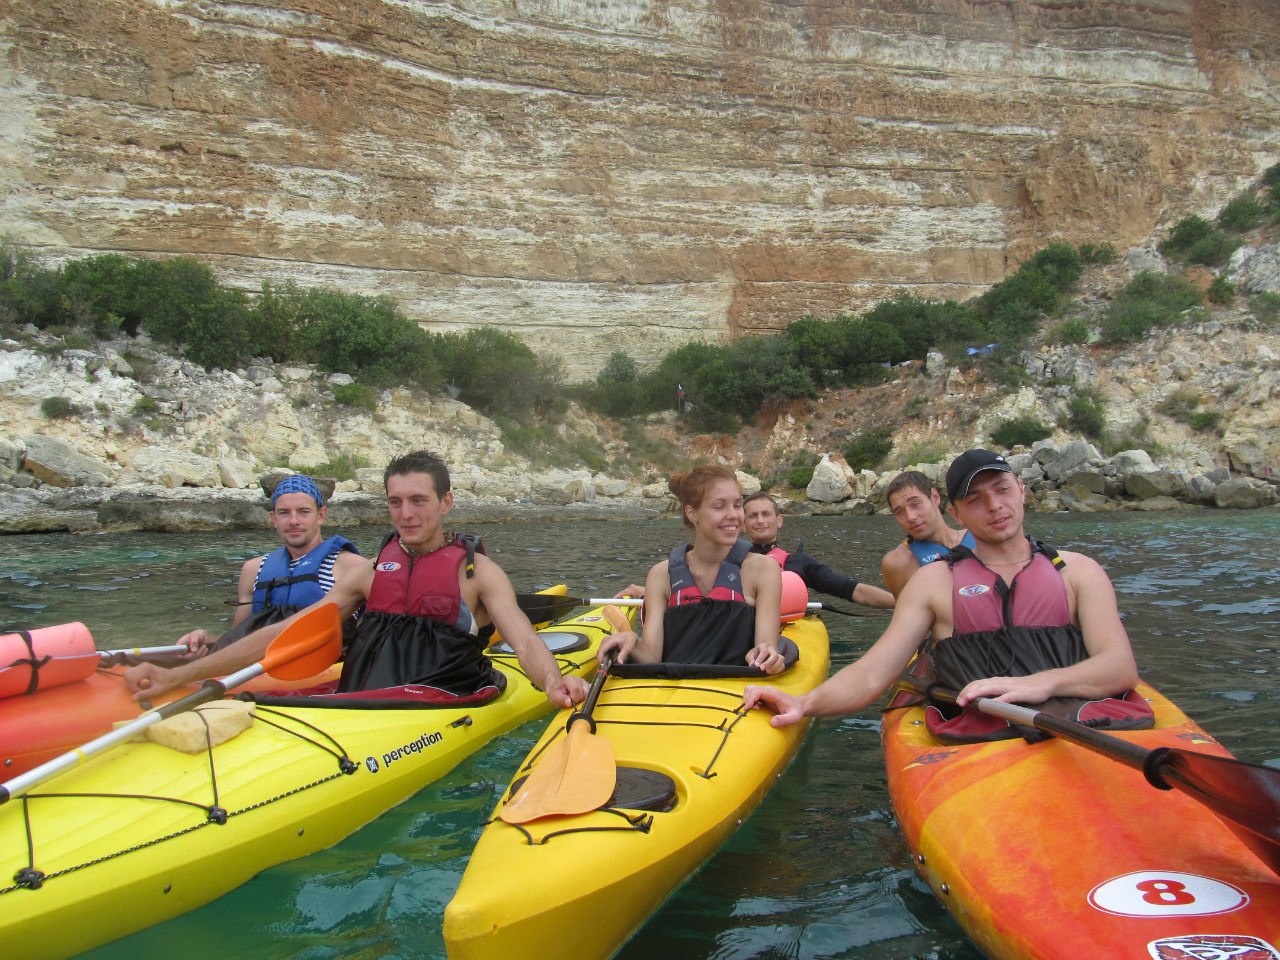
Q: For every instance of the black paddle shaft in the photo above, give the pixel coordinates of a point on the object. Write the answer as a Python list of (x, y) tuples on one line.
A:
[(1244, 796), (589, 704)]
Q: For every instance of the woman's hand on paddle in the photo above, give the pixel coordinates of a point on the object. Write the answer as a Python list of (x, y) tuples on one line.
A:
[(567, 692), (623, 642), (633, 590), (147, 680), (789, 709), (765, 656)]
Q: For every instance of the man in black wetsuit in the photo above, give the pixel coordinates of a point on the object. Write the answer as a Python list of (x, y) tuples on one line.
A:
[(763, 524)]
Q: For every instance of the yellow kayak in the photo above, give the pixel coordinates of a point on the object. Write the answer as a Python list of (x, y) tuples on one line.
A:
[(692, 765), (143, 832)]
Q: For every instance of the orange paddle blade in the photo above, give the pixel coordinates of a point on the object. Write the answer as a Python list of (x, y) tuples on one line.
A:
[(617, 619), (308, 645), (576, 775)]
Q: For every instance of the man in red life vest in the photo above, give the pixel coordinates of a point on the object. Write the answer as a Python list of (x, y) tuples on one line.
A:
[(763, 524), (429, 599), (1065, 620)]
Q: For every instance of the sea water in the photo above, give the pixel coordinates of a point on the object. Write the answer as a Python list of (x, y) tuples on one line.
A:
[(819, 871)]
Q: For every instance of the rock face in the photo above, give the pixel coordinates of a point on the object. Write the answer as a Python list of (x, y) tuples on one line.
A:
[(625, 174)]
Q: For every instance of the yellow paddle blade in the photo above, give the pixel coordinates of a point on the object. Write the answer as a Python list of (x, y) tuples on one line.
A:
[(576, 775), (308, 645)]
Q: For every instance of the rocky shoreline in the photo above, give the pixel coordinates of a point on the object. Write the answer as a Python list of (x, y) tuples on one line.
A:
[(1072, 477), (152, 442)]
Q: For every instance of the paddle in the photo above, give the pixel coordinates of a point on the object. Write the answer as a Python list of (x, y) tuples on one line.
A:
[(576, 774), (308, 645), (108, 658), (1245, 796), (541, 607)]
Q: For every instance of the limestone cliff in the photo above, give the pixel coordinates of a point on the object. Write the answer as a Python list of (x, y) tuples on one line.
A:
[(625, 173)]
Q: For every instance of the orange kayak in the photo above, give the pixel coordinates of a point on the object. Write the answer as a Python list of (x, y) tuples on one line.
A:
[(1050, 850), (39, 726)]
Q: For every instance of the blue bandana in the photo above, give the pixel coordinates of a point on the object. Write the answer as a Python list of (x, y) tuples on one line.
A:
[(297, 483)]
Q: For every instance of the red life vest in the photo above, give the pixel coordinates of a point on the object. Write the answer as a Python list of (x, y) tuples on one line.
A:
[(423, 586), (728, 585), (1036, 596)]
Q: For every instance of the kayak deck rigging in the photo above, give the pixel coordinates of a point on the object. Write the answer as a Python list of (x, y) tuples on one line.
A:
[(296, 727)]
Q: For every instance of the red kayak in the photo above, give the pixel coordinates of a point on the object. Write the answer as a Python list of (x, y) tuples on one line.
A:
[(1050, 850)]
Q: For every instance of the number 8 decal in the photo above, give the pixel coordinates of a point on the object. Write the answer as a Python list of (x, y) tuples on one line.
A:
[(1163, 893)]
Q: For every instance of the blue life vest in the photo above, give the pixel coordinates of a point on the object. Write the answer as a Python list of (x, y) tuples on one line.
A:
[(296, 585), (926, 551)]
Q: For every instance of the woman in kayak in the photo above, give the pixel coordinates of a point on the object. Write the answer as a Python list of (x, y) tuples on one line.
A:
[(712, 601)]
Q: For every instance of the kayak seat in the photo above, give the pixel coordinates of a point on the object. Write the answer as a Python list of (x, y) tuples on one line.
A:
[(704, 671), (636, 789), (409, 696), (557, 641)]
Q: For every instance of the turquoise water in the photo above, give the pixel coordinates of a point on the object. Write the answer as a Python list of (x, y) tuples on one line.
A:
[(817, 872)]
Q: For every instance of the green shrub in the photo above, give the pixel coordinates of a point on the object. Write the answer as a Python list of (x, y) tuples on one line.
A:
[(28, 291), (58, 408), (356, 395), (867, 450), (1183, 405), (1204, 420), (920, 325), (618, 392), (341, 467), (1222, 291), (1149, 300), (496, 372), (1242, 213), (1098, 254), (1266, 308), (145, 406), (1195, 240), (1271, 176), (1020, 432), (1013, 307), (1085, 413), (1074, 330), (801, 473)]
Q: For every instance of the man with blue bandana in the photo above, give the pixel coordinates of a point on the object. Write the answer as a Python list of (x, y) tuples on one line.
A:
[(431, 601), (293, 576)]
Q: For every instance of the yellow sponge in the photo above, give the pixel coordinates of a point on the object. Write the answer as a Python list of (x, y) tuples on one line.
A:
[(206, 725)]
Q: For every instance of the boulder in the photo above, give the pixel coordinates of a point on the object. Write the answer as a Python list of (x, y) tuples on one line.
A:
[(1072, 457), (1154, 483), (830, 483), (1132, 461), (56, 461), (748, 483), (1244, 493), (235, 474)]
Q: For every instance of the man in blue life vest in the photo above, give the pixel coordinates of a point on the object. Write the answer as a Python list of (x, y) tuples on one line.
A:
[(1063, 641), (294, 575), (431, 599), (763, 524), (917, 507)]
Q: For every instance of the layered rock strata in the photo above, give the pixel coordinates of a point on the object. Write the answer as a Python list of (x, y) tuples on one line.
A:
[(625, 174)]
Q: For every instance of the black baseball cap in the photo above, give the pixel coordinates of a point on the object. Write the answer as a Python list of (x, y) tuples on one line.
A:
[(967, 466)]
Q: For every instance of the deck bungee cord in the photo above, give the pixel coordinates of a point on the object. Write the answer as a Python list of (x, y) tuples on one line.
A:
[(31, 878)]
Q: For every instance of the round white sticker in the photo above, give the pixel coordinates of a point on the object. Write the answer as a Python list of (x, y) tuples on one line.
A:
[(1166, 893)]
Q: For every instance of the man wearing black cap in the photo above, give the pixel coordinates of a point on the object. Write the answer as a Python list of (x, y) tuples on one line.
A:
[(293, 576), (1058, 634)]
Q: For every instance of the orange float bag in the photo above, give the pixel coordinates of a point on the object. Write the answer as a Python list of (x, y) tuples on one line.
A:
[(32, 660)]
